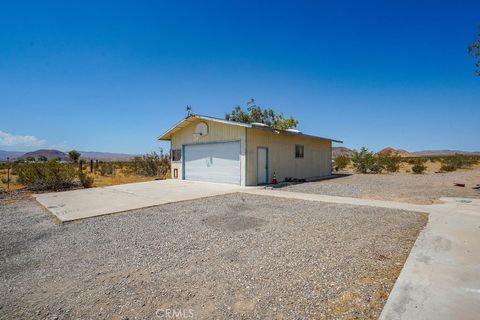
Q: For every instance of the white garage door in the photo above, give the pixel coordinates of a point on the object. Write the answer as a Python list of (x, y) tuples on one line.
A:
[(213, 162)]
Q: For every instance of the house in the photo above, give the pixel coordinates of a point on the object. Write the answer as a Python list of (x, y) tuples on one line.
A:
[(216, 150)]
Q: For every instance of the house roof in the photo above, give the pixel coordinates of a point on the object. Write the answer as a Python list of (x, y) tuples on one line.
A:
[(193, 117)]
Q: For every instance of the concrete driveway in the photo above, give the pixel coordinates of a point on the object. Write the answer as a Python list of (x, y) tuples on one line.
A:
[(439, 279), (86, 203)]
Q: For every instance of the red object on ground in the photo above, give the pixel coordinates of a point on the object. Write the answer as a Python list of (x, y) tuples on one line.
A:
[(274, 179)]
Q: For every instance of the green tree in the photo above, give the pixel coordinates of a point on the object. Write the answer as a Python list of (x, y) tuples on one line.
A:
[(390, 161), (474, 49), (365, 161), (74, 155), (266, 116), (42, 158)]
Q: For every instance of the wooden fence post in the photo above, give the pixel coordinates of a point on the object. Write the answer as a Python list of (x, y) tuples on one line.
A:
[(8, 174)]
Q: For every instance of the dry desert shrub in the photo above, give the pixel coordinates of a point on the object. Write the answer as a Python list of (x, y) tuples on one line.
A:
[(50, 175)]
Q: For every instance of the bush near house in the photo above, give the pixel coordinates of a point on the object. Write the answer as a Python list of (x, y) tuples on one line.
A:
[(342, 161), (150, 164), (50, 175), (85, 180), (365, 161), (389, 161)]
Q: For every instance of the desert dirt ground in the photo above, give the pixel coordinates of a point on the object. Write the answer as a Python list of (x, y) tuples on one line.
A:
[(233, 256), (119, 178), (403, 187)]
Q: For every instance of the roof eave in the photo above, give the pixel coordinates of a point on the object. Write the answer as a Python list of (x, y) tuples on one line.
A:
[(167, 135)]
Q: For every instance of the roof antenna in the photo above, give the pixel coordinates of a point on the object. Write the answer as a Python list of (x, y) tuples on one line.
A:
[(189, 111)]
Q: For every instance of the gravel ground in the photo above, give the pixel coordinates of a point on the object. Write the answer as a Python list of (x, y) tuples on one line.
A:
[(235, 256), (420, 189)]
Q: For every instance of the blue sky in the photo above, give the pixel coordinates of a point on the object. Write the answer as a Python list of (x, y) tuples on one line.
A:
[(113, 75)]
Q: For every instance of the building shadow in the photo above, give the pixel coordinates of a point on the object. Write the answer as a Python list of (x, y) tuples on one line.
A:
[(291, 181)]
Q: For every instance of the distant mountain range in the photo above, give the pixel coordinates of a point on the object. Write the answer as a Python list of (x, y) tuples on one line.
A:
[(341, 151), (444, 152), (336, 151), (10, 154), (54, 154), (49, 154), (397, 152), (107, 156)]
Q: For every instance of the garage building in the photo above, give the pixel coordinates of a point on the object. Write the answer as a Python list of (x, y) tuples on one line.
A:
[(215, 150)]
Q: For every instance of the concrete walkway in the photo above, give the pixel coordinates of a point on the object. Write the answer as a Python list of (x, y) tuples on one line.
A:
[(86, 203), (441, 277), (335, 199)]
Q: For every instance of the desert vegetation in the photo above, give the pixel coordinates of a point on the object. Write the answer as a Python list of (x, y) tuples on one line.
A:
[(149, 165), (366, 161), (50, 175), (267, 116), (74, 155), (474, 49), (55, 174), (418, 166), (458, 161), (342, 161), (390, 161)]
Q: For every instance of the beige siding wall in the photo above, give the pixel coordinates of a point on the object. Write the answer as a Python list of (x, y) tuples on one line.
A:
[(281, 156), (281, 151), (217, 132)]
